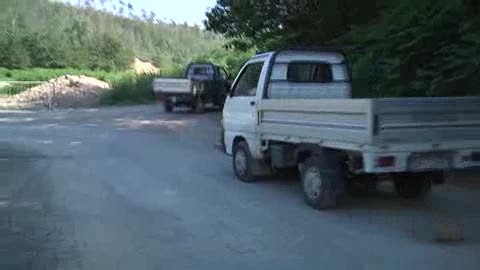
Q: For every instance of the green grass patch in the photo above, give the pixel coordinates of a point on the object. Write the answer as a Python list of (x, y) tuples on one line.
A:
[(131, 89), (44, 74), (16, 88)]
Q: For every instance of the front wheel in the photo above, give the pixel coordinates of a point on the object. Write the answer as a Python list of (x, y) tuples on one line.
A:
[(321, 182), (242, 162)]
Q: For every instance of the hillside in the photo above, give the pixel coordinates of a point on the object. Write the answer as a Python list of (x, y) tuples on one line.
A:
[(48, 34)]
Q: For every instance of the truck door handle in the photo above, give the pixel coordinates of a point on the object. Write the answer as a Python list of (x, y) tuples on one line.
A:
[(252, 103)]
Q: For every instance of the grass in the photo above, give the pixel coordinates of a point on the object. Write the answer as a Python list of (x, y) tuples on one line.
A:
[(129, 90), (16, 88), (134, 89), (44, 74)]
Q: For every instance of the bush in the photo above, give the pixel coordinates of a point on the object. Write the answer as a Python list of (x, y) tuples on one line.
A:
[(131, 89)]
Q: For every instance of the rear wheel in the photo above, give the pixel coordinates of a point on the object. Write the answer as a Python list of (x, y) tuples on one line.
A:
[(242, 162), (198, 105), (322, 181), (413, 186), (168, 106)]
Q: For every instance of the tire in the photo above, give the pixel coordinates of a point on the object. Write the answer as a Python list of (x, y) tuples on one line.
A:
[(322, 181), (413, 186), (198, 105), (168, 107), (242, 162)]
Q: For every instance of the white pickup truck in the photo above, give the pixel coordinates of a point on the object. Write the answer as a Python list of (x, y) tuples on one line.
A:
[(293, 108)]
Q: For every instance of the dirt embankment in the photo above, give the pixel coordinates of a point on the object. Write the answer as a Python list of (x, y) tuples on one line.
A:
[(140, 67), (65, 92), (69, 91)]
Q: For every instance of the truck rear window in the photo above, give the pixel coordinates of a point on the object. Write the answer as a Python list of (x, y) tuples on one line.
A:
[(310, 72), (200, 71)]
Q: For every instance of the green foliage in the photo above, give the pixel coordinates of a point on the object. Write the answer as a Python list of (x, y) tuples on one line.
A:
[(15, 88), (395, 47), (44, 74), (109, 54), (230, 60), (52, 34), (132, 89)]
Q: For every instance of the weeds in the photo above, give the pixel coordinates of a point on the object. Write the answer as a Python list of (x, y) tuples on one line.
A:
[(131, 89)]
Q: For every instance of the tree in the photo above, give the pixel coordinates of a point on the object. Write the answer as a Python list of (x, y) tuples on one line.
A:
[(109, 54), (395, 47), (53, 34), (275, 23)]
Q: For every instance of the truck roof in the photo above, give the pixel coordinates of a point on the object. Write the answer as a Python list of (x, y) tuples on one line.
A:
[(305, 54)]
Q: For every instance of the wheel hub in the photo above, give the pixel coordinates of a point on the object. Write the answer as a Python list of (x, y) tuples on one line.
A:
[(241, 162), (313, 183)]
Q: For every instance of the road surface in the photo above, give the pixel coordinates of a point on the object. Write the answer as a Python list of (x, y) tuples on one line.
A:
[(134, 188)]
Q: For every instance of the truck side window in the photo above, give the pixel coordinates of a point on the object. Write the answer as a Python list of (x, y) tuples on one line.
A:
[(248, 82), (310, 72)]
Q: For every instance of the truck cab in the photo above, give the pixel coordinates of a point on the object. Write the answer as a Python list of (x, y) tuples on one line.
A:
[(296, 74)]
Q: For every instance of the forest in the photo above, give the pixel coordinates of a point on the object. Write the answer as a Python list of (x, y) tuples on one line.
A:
[(52, 34), (394, 47)]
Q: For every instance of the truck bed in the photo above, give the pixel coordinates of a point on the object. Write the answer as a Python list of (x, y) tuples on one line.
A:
[(172, 86), (374, 125)]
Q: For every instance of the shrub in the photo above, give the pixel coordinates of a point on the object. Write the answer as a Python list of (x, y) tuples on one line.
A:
[(131, 89)]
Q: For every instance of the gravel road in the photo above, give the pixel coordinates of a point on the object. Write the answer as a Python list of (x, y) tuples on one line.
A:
[(134, 188)]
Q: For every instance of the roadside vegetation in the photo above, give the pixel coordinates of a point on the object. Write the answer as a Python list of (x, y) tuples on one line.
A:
[(395, 47), (131, 89), (43, 40)]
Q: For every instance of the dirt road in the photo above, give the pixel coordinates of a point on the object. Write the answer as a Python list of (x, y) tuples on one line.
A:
[(134, 188)]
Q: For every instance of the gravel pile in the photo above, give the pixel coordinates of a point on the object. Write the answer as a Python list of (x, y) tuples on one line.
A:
[(66, 92), (141, 67)]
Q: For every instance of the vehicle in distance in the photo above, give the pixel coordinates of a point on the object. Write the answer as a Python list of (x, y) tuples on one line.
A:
[(293, 109), (204, 84)]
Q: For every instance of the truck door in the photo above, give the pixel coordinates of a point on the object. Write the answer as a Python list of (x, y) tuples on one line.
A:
[(239, 114)]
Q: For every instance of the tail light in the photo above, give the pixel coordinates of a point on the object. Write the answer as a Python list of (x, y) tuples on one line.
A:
[(387, 161)]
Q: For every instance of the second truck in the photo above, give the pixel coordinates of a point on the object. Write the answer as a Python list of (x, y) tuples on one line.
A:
[(204, 84)]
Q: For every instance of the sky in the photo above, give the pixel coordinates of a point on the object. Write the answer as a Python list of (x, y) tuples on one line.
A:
[(190, 11)]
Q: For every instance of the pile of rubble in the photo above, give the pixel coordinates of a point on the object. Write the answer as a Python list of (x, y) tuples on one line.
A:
[(66, 92), (141, 67)]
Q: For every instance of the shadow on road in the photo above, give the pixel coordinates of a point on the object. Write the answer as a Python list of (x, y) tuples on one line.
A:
[(450, 214), (30, 240)]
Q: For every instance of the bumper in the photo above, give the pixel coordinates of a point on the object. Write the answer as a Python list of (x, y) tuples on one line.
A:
[(179, 99), (420, 161)]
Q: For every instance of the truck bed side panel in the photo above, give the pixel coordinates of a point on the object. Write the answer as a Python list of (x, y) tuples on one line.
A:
[(172, 86), (427, 120), (338, 120)]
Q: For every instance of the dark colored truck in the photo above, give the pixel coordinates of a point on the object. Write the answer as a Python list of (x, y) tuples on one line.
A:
[(204, 84)]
